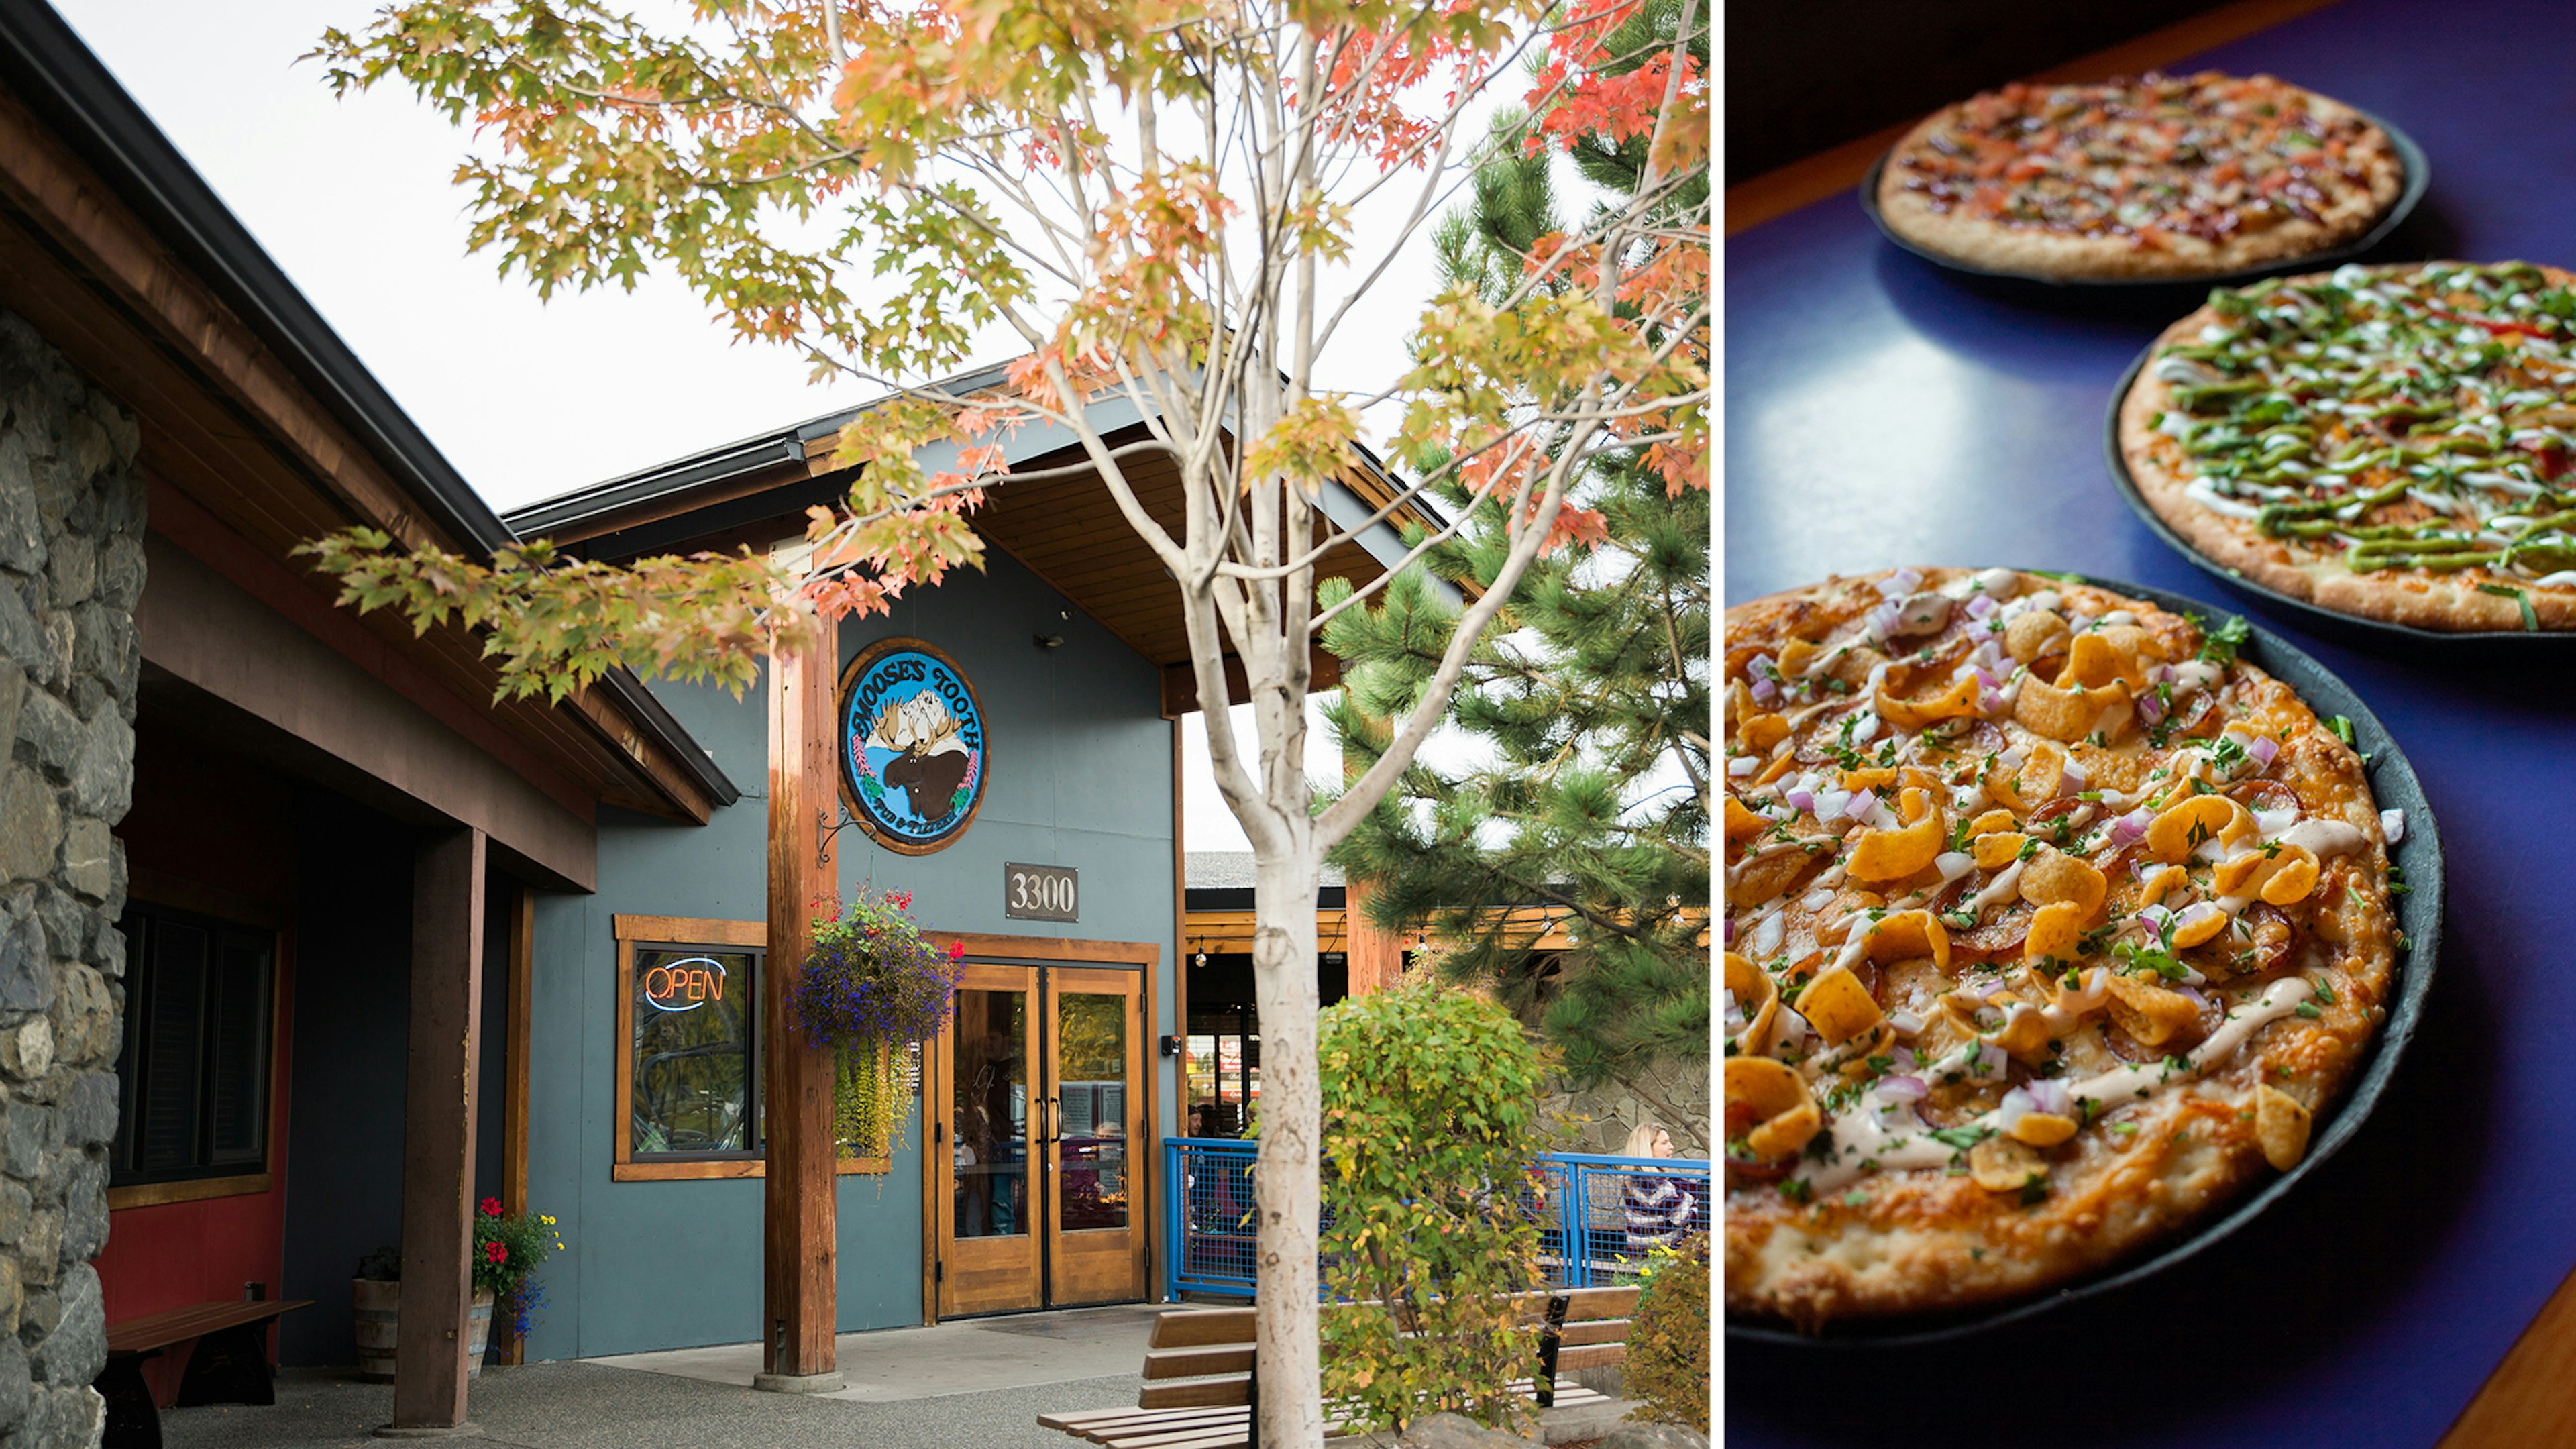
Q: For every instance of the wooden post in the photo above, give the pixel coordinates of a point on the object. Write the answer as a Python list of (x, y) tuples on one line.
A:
[(799, 1260), (1373, 958), (514, 1104), (438, 1132)]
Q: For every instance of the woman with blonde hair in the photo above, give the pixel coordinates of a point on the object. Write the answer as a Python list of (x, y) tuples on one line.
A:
[(1660, 1208)]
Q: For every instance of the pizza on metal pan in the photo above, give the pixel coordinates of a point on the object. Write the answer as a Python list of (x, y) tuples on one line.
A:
[(2397, 443), (2050, 924), (2171, 177)]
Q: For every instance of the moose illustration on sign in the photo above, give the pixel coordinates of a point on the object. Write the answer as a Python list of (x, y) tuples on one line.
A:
[(912, 746)]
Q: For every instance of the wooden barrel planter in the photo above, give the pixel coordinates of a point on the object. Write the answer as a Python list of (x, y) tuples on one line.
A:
[(377, 1310), (378, 1316)]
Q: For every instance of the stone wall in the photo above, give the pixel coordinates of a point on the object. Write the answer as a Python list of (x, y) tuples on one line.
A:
[(71, 569), (1673, 1092)]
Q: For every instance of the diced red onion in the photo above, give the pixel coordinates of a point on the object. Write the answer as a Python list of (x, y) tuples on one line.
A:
[(2009, 1112), (2079, 621), (2195, 913), (1953, 864), (2150, 707), (1980, 605), (2392, 825), (1861, 804), (1803, 799), (1730, 930), (2072, 779), (2011, 759), (2049, 1095), (1991, 701), (1829, 805), (2184, 990), (1882, 620), (1987, 1062), (1900, 583), (1793, 1027), (2161, 674), (1905, 1022), (1765, 692), (2263, 750), (1903, 1089), (2130, 827), (2154, 918), (1763, 666)]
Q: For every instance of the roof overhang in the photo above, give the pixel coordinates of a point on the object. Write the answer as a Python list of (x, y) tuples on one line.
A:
[(1066, 530), (252, 408)]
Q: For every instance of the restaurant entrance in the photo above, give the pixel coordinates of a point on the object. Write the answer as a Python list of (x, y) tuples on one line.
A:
[(1038, 1100)]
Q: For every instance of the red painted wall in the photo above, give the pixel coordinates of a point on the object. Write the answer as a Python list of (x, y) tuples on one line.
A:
[(213, 833)]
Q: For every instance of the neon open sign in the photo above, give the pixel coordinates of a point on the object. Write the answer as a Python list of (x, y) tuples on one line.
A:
[(685, 985)]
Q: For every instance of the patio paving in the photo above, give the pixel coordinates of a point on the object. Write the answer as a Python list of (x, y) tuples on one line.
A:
[(966, 1384), (583, 1405)]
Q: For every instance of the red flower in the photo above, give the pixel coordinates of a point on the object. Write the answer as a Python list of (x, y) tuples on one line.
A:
[(496, 1252), (491, 1207), (956, 949)]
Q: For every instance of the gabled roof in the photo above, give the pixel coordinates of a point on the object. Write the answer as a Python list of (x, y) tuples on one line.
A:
[(126, 260), (1065, 530)]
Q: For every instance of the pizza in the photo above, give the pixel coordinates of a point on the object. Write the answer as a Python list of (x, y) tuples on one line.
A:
[(2157, 177), (2397, 443), (2051, 925)]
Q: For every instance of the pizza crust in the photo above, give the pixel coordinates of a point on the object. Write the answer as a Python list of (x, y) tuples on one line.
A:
[(2417, 598), (1926, 1239), (2032, 251)]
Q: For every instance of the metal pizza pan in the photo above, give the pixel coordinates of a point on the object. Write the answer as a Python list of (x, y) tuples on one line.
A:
[(2394, 784)]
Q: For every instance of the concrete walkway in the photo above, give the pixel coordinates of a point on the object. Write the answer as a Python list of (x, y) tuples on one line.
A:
[(969, 1384), (587, 1406), (963, 1356)]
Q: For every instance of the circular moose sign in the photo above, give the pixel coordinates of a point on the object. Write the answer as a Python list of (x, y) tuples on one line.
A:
[(912, 746)]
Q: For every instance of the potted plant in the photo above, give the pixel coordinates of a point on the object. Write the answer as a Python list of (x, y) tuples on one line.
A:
[(508, 1250), (375, 1302), (870, 986)]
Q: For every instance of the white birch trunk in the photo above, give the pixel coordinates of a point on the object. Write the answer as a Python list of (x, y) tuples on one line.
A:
[(1287, 1194)]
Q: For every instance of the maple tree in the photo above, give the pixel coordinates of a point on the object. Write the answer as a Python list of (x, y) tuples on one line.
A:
[(1159, 201)]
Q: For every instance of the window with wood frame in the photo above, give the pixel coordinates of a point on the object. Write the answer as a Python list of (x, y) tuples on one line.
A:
[(690, 1023), (194, 1071)]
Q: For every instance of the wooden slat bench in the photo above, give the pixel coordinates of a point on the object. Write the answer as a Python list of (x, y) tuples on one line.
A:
[(1199, 1381), (230, 1365)]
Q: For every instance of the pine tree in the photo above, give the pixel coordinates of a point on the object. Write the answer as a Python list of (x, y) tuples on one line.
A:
[(1600, 687)]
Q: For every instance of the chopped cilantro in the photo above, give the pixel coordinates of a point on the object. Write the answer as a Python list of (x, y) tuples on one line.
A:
[(2325, 993), (1961, 1138), (1795, 1189), (2220, 646), (2035, 1191), (2309, 1010), (1855, 1198)]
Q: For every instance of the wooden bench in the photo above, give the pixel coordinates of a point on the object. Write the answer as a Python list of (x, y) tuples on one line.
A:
[(1200, 1382), (230, 1365)]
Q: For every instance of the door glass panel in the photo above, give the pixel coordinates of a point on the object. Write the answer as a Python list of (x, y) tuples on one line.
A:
[(1091, 1146), (992, 1114)]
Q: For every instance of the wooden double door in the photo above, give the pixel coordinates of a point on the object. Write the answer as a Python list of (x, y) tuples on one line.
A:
[(1038, 1147)]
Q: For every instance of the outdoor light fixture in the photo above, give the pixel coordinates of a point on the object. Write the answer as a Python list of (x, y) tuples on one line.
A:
[(1050, 641)]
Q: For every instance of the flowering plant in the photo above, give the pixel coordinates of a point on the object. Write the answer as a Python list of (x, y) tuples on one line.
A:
[(870, 986), (870, 982), (508, 1250)]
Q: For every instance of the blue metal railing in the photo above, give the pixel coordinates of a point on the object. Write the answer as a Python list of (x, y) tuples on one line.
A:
[(1598, 1216)]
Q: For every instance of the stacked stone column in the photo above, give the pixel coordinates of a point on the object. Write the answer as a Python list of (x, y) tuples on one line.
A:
[(71, 570)]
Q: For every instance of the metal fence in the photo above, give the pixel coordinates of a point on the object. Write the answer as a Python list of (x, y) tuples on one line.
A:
[(1597, 1216)]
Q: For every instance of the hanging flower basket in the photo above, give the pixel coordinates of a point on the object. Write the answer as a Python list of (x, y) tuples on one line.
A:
[(871, 986), (871, 982)]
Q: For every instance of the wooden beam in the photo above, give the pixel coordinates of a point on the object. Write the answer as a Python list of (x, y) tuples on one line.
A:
[(1774, 194), (514, 1103), (799, 1268), (438, 1129), (1181, 682)]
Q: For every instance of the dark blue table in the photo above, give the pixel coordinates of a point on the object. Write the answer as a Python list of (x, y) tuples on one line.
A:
[(1880, 411)]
